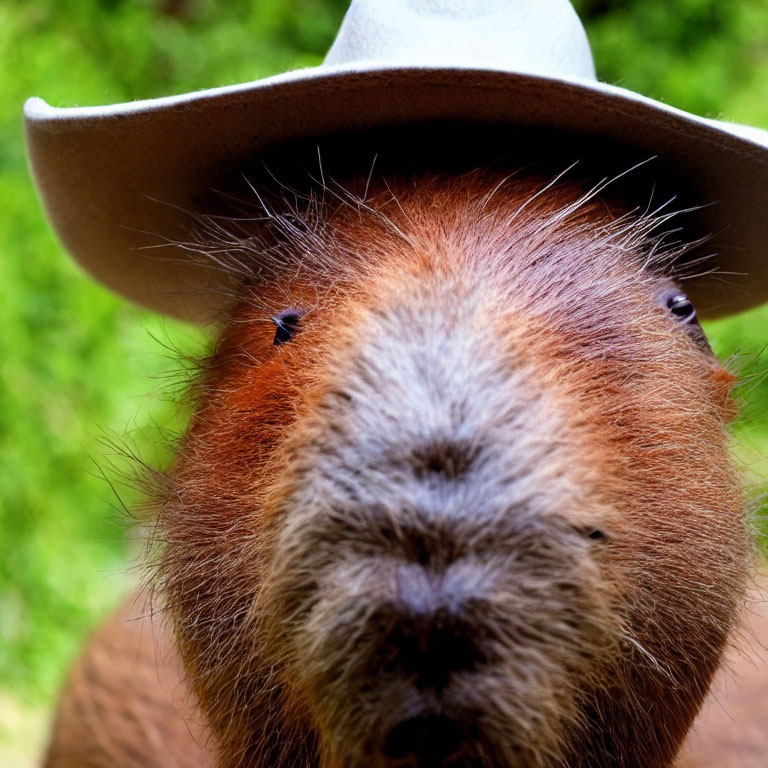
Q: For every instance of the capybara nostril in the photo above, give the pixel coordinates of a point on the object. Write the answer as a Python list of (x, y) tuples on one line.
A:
[(427, 650), (429, 741)]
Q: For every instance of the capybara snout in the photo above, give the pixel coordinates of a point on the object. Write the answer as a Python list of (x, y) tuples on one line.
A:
[(469, 508), (433, 552)]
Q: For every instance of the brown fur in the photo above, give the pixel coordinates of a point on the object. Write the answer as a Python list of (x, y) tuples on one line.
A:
[(133, 676), (125, 703), (730, 730), (388, 518)]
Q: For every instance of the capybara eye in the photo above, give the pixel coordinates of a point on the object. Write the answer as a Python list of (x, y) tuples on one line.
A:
[(287, 322), (682, 308), (674, 301)]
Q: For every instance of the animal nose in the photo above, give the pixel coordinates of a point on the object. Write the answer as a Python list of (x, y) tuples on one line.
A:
[(430, 741), (430, 628), (429, 649)]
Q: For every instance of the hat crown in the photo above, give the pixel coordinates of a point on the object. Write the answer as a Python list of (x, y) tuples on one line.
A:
[(543, 37)]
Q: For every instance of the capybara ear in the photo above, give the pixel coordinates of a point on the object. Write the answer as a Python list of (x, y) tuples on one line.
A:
[(724, 381)]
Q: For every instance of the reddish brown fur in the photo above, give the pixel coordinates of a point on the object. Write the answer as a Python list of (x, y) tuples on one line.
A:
[(595, 653), (125, 703), (730, 730)]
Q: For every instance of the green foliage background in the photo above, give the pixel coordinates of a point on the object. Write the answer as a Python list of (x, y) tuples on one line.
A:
[(78, 365)]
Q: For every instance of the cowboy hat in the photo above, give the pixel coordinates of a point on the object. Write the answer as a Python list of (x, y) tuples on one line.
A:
[(115, 179)]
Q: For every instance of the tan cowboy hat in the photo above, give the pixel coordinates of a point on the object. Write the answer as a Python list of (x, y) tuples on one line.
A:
[(116, 179)]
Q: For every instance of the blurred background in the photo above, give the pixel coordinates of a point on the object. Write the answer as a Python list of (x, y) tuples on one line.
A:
[(81, 372)]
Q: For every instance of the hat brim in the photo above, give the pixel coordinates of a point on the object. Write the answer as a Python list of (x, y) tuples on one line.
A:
[(102, 170)]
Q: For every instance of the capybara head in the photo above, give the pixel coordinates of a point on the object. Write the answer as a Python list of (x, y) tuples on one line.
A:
[(457, 491)]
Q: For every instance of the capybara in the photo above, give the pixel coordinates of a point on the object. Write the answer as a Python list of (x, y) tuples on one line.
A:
[(456, 492)]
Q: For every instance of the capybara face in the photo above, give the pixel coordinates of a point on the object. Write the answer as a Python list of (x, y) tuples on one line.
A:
[(457, 491)]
